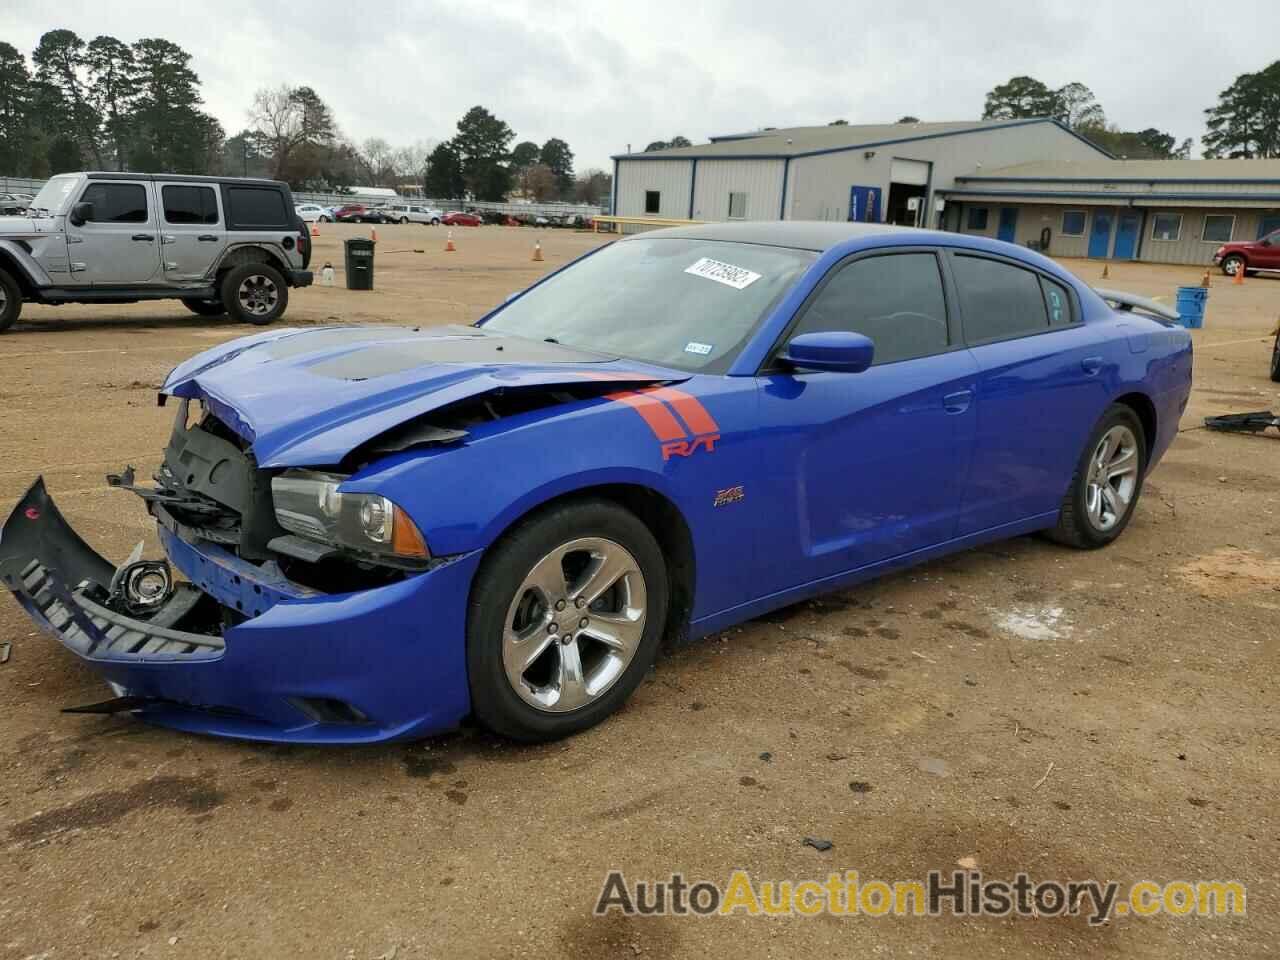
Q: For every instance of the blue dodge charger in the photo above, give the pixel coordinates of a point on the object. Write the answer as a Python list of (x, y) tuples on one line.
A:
[(382, 530)]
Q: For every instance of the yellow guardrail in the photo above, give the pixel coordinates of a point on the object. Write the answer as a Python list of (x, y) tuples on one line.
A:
[(621, 222)]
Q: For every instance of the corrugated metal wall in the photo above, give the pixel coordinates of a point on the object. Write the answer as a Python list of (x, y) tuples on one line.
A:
[(760, 180), (671, 178)]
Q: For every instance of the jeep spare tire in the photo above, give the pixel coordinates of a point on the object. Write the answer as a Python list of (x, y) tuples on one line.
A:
[(255, 293)]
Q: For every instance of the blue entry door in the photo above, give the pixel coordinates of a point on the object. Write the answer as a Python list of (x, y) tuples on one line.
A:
[(1100, 235), (1126, 237), (1008, 224)]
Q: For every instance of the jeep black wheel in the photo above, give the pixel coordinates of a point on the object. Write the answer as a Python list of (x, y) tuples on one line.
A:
[(255, 293), (1275, 359), (206, 308), (565, 617), (10, 301)]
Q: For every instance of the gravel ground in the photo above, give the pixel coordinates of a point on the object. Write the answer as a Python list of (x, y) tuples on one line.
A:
[(1068, 714)]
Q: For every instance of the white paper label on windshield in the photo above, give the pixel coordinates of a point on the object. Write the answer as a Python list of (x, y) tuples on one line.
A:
[(737, 277), (701, 349)]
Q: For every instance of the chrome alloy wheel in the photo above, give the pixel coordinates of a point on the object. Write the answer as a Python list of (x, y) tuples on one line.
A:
[(574, 625), (1113, 478), (258, 295)]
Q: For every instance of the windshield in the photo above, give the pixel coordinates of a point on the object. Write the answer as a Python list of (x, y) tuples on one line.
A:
[(53, 195), (689, 304)]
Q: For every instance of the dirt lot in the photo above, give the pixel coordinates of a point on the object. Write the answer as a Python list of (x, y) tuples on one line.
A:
[(910, 721)]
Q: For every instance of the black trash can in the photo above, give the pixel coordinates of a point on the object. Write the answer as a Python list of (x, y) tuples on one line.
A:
[(359, 253)]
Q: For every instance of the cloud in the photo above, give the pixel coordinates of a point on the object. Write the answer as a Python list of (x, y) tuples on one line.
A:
[(603, 75)]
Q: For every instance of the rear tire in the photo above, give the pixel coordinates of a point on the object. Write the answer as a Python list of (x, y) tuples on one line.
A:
[(1107, 483), (324, 219), (255, 293), (205, 308), (536, 672), (435, 221), (404, 220), (1275, 360), (10, 301)]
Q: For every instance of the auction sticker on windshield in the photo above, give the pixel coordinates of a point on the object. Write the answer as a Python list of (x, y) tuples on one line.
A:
[(737, 277)]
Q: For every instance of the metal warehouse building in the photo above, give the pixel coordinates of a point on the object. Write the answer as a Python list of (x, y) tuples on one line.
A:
[(1167, 211), (1028, 181)]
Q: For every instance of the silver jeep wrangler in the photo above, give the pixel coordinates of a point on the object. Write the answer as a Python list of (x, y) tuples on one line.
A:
[(220, 245)]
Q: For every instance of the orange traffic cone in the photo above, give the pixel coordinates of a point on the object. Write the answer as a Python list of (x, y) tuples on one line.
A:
[(1237, 278), (1106, 271), (1205, 281), (373, 234), (315, 228), (537, 251), (448, 246)]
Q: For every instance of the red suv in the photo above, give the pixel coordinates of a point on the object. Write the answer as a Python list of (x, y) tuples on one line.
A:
[(1252, 255)]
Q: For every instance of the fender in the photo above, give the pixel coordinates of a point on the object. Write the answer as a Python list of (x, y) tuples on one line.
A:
[(13, 253), (244, 252)]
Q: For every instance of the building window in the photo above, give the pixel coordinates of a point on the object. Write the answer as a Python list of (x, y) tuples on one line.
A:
[(1166, 226), (737, 206), (1218, 227), (1073, 223), (977, 218), (652, 201)]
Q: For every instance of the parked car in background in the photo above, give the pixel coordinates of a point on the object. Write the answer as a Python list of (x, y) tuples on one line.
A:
[(14, 204), (311, 213), (359, 213), (383, 530), (456, 218), (1250, 255), (220, 245), (413, 213)]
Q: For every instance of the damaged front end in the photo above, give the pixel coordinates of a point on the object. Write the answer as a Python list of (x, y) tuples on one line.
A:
[(260, 633)]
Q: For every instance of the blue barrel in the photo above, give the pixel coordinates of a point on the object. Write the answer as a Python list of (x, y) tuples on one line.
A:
[(1190, 306)]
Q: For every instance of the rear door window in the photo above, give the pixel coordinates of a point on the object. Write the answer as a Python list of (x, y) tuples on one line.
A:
[(895, 300), (250, 207), (117, 202), (998, 300), (183, 204)]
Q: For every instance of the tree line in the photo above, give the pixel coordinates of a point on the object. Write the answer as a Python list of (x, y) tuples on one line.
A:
[(110, 105), (1245, 122)]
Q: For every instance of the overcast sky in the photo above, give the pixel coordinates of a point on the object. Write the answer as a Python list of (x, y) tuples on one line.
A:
[(609, 73)]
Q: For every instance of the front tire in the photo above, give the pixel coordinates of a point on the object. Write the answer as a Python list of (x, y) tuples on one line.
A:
[(10, 301), (435, 221), (1232, 263), (404, 220), (1275, 359), (565, 618), (255, 293), (205, 308), (1107, 483), (324, 219)]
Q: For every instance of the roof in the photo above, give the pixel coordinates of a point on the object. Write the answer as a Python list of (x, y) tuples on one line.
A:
[(804, 141), (183, 178), (1134, 171), (818, 235)]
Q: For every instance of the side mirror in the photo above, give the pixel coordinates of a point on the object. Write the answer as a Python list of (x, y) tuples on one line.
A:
[(1265, 241), (837, 351), (80, 214)]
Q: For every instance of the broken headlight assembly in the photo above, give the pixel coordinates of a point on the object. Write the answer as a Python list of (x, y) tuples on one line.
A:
[(308, 503)]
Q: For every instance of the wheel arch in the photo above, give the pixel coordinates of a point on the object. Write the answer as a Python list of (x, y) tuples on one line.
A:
[(12, 265), (250, 253), (665, 521), (1145, 409)]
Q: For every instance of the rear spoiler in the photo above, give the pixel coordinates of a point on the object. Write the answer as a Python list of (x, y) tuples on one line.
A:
[(1129, 302)]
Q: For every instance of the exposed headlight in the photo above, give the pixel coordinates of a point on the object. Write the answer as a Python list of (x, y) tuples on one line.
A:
[(309, 504)]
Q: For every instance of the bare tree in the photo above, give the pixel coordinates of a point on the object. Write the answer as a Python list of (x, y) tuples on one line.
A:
[(292, 123)]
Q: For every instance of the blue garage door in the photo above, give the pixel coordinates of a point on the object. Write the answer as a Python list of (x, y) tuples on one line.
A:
[(1008, 224), (1127, 236), (1100, 236)]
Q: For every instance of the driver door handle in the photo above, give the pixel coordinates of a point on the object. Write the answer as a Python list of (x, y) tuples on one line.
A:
[(957, 402), (148, 237)]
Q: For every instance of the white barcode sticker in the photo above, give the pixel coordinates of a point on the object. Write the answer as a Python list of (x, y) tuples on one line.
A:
[(702, 349), (737, 277)]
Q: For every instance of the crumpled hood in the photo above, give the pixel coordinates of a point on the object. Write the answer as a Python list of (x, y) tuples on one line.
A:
[(310, 397)]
